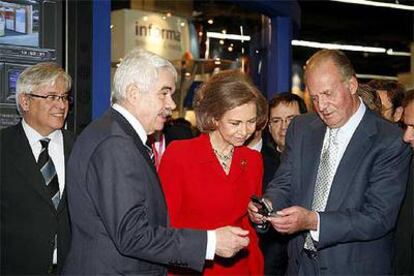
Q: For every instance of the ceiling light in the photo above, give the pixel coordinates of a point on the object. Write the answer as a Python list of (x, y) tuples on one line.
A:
[(168, 14), (377, 77), (230, 49), (228, 36), (391, 52), (210, 21), (182, 24), (221, 42), (223, 31), (320, 45), (378, 4)]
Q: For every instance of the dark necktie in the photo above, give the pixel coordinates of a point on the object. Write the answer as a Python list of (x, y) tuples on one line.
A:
[(47, 168), (148, 148)]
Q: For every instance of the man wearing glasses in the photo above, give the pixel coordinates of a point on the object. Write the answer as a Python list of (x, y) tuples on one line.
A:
[(35, 230)]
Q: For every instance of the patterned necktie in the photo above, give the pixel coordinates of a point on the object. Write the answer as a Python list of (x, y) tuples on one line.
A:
[(47, 168), (326, 172), (149, 151)]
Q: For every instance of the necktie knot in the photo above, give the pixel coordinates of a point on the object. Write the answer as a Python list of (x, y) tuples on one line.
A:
[(44, 142), (333, 135)]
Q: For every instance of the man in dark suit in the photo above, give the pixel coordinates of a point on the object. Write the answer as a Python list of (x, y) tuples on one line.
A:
[(341, 180), (404, 233), (34, 220), (117, 208)]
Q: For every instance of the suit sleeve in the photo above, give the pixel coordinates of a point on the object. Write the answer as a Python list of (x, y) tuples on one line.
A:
[(119, 182), (171, 173), (278, 190), (381, 201)]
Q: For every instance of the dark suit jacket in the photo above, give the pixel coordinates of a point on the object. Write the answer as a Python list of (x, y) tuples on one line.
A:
[(404, 233), (273, 244), (119, 216), (28, 219), (271, 161), (356, 229)]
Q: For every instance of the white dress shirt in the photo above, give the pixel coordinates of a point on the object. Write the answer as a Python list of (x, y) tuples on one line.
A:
[(258, 146), (345, 134), (56, 153), (211, 235)]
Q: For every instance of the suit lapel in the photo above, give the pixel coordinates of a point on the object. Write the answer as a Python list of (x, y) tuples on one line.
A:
[(129, 130), (28, 166), (357, 148), (312, 144), (67, 147)]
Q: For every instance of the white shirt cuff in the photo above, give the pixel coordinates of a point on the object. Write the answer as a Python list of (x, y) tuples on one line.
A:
[(315, 233), (211, 245)]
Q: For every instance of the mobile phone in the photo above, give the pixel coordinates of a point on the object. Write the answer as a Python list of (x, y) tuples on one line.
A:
[(264, 207)]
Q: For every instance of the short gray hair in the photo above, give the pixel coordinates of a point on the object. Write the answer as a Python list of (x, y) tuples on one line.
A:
[(44, 73), (141, 68), (340, 60)]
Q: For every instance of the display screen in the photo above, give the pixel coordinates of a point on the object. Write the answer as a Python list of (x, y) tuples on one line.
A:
[(19, 23), (13, 75)]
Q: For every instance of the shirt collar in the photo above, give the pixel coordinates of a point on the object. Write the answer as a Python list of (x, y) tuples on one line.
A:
[(258, 146), (353, 122), (136, 125), (33, 136)]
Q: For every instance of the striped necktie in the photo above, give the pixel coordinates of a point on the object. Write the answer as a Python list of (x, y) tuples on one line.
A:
[(47, 168), (148, 148)]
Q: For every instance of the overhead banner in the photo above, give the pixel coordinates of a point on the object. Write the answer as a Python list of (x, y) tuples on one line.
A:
[(163, 34)]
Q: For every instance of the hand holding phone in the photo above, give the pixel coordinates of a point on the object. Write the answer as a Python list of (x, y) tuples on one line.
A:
[(264, 207)]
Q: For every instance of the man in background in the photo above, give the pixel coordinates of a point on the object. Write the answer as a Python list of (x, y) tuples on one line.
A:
[(282, 109), (391, 94), (34, 220), (404, 233), (117, 208)]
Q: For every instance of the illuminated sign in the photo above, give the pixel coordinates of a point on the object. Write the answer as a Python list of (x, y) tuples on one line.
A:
[(167, 36)]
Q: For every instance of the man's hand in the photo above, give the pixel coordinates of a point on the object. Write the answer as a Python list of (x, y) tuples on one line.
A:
[(254, 216), (230, 240), (294, 219)]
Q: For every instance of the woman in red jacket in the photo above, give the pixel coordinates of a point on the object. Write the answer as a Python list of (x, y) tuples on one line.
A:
[(208, 180)]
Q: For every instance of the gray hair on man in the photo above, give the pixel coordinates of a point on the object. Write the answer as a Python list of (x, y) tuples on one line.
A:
[(140, 68), (41, 74)]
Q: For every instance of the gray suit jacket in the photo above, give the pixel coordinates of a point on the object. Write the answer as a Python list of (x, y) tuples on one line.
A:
[(356, 229), (118, 210)]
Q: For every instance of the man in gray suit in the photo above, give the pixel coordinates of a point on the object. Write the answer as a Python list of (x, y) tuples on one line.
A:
[(341, 180), (117, 208)]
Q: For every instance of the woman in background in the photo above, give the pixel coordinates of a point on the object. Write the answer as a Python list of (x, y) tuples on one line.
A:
[(208, 180)]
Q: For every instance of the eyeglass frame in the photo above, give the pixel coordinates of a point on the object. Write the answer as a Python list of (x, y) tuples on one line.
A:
[(286, 120), (53, 98)]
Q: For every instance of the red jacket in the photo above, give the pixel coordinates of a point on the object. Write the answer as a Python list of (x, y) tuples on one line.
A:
[(200, 195)]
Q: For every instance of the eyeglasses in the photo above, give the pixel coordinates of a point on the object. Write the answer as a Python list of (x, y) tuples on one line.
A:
[(53, 98), (278, 121)]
